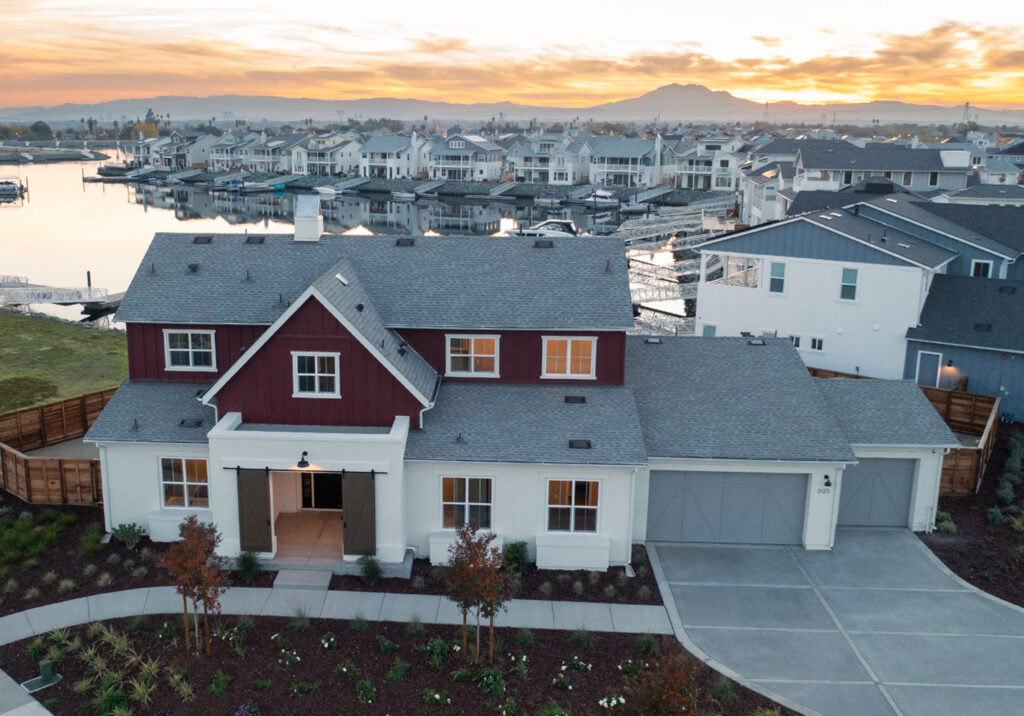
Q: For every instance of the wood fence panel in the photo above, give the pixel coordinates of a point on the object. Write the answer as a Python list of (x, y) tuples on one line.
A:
[(52, 423)]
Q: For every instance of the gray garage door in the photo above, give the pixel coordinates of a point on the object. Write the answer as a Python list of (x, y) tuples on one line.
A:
[(724, 507), (876, 493)]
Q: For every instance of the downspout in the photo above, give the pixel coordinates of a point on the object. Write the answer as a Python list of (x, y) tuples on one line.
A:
[(105, 484), (629, 523), (933, 506)]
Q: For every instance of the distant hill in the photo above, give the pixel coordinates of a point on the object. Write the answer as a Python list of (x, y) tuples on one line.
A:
[(669, 103)]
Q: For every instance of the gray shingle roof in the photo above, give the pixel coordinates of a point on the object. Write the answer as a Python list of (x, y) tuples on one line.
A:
[(885, 412), (478, 282), (159, 409), (875, 157), (530, 424), (386, 143), (631, 148), (995, 192), (895, 242), (720, 398), (923, 213), (959, 308), (999, 223)]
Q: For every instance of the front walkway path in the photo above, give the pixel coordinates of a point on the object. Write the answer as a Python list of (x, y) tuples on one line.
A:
[(372, 606), (878, 626)]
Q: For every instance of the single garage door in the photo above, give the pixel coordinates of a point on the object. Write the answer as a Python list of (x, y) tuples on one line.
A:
[(876, 492), (745, 508)]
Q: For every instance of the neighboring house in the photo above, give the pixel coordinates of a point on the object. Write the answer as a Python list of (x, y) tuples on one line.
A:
[(712, 164), (186, 150), (640, 163), (145, 151), (271, 154), (275, 376), (551, 159), (794, 202), (465, 157), (833, 167), (1013, 152), (986, 195), (332, 154), (975, 330), (226, 153), (998, 170), (761, 188), (386, 156)]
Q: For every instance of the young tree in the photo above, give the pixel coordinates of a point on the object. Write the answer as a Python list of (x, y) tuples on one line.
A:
[(495, 594), (464, 573), (195, 568)]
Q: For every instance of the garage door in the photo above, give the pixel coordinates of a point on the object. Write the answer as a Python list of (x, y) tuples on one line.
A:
[(740, 508), (876, 492)]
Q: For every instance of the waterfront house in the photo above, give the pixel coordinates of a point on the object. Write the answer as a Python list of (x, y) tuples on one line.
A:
[(712, 164), (330, 154), (639, 163), (550, 158), (185, 150), (840, 164), (464, 157), (145, 150), (226, 153), (271, 153), (398, 156)]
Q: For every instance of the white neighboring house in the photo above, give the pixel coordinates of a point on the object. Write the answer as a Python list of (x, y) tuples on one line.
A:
[(761, 188), (830, 168), (332, 154), (640, 163), (186, 150), (145, 150), (713, 164), (226, 153), (271, 153), (551, 158), (998, 170), (465, 157), (397, 156)]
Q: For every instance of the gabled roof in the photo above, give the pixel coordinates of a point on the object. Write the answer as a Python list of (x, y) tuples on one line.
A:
[(464, 282), (623, 147), (340, 291), (885, 412), (386, 143), (721, 398), (876, 157), (1015, 149), (790, 146), (530, 424), (974, 312), (1004, 224), (151, 412)]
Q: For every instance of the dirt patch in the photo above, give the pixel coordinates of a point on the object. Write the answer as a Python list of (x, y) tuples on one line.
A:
[(986, 555), (597, 672)]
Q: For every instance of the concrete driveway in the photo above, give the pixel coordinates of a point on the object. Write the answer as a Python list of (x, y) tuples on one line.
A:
[(877, 626)]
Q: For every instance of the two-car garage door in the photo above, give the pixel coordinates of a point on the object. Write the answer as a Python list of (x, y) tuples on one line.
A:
[(751, 508)]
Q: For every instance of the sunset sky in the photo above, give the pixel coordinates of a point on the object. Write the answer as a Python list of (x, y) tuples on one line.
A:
[(548, 53)]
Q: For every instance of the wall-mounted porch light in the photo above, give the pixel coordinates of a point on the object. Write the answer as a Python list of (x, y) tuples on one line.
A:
[(828, 482), (303, 462)]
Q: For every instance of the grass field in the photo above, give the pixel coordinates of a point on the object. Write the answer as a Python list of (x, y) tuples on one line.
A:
[(43, 359)]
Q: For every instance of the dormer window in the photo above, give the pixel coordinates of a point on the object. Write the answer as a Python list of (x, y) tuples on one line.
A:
[(569, 357), (456, 144), (316, 375), (472, 356), (189, 350)]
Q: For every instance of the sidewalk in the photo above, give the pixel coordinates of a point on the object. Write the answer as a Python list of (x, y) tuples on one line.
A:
[(372, 606)]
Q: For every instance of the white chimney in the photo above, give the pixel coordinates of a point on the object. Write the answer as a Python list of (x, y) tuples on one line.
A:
[(309, 222)]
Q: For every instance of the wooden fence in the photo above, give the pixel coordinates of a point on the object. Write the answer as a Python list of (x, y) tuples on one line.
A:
[(51, 480), (963, 412)]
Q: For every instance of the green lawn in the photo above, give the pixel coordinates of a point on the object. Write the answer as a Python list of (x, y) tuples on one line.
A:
[(43, 359)]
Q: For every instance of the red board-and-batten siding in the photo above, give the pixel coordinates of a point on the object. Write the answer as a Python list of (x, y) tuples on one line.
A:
[(147, 358), (262, 390), (520, 354)]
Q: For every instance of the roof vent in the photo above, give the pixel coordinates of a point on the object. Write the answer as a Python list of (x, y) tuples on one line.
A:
[(756, 342), (575, 398), (746, 334), (193, 268), (903, 245), (1007, 289), (543, 244), (360, 307), (983, 327), (252, 239), (341, 279), (579, 444), (405, 242), (653, 341), (190, 423), (205, 239)]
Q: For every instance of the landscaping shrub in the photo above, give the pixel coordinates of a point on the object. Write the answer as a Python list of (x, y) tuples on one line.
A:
[(248, 568), (366, 692), (1004, 494), (415, 627), (346, 668), (668, 687), (516, 556), (300, 622), (545, 589), (369, 567), (1012, 478), (305, 687), (358, 625), (129, 533), (644, 592), (944, 522), (220, 683), (647, 644), (722, 691), (261, 684), (385, 645), (249, 708), (433, 697), (577, 587), (90, 543), (995, 516), (397, 671), (581, 639)]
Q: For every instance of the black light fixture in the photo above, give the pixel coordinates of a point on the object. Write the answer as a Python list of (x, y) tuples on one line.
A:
[(828, 482), (949, 363), (303, 462)]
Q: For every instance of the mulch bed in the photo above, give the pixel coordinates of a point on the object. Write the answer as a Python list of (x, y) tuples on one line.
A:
[(337, 694), (986, 555), (563, 585), (66, 560)]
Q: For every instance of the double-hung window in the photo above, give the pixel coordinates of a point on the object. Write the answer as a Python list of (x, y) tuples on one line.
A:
[(848, 285), (189, 350), (981, 269), (465, 500), (777, 280), (316, 375), (183, 482), (566, 357), (572, 505), (817, 344), (472, 356)]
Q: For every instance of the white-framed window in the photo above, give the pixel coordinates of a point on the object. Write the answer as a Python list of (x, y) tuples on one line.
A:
[(189, 350), (569, 357), (929, 364), (981, 269), (183, 482), (777, 277), (848, 285), (316, 375), (472, 355), (456, 144), (572, 505), (796, 341), (907, 178), (465, 500), (933, 179), (817, 344)]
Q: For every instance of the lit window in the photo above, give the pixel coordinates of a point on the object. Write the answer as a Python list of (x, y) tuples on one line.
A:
[(316, 375), (568, 357), (184, 482), (473, 355), (189, 350), (466, 500), (817, 344), (572, 506), (778, 278), (848, 288)]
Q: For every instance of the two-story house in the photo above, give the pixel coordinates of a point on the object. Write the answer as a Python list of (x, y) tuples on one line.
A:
[(271, 153), (550, 158), (226, 153), (415, 384), (465, 157), (145, 151), (640, 163), (761, 189), (712, 164), (325, 155), (840, 164), (386, 156), (185, 150)]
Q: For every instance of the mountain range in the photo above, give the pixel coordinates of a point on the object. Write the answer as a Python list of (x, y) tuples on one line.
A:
[(670, 103)]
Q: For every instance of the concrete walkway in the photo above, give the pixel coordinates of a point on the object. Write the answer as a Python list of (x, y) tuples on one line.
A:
[(316, 604), (876, 626)]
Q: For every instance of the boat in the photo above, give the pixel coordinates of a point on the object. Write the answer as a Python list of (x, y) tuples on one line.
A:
[(634, 207), (403, 196), (325, 190), (550, 228), (547, 201), (601, 197), (11, 187)]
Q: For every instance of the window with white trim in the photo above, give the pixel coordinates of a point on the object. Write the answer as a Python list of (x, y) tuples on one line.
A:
[(981, 269), (472, 355), (567, 357), (933, 179), (572, 505), (777, 279), (183, 482), (465, 500), (817, 344), (907, 178), (189, 350), (796, 341), (848, 285), (316, 375)]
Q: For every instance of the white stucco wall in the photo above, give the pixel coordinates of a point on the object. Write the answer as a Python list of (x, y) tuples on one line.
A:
[(519, 509), (868, 333), (925, 497)]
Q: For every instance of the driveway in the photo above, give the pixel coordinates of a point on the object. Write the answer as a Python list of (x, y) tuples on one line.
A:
[(876, 626)]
